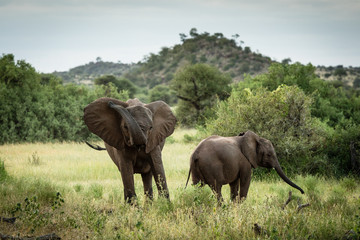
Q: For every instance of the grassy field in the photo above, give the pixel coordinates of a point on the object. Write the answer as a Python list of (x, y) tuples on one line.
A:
[(76, 192)]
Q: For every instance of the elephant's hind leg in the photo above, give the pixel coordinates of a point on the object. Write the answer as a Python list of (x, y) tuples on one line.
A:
[(216, 188)]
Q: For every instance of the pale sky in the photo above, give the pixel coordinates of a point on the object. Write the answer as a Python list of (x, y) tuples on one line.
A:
[(56, 35)]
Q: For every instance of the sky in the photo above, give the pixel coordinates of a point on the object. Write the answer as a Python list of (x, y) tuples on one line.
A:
[(56, 35)]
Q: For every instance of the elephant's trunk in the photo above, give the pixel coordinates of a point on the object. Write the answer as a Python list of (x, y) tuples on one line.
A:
[(137, 137), (286, 179)]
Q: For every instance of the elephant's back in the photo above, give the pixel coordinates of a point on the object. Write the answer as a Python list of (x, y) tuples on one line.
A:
[(217, 147)]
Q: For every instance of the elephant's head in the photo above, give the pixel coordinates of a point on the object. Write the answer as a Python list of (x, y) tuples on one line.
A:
[(260, 152), (132, 123)]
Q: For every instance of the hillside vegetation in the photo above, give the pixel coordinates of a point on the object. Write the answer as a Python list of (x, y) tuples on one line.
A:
[(86, 74)]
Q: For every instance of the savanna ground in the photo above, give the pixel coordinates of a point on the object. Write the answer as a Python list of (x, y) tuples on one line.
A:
[(76, 192)]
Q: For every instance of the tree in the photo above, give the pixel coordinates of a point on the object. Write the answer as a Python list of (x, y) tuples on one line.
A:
[(340, 71), (120, 83), (182, 37), (38, 107), (162, 92), (17, 74), (193, 32), (198, 86), (286, 61)]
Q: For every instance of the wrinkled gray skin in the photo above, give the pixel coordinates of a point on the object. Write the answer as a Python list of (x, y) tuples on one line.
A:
[(217, 161), (134, 134)]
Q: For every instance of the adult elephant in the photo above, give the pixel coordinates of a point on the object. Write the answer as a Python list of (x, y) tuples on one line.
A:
[(218, 160), (134, 134)]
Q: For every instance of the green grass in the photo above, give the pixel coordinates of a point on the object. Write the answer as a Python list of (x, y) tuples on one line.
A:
[(77, 193)]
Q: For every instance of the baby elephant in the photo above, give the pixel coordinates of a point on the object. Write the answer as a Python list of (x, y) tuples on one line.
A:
[(218, 160)]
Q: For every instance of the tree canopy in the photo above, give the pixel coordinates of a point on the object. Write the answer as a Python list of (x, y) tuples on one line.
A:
[(312, 123), (39, 108), (122, 84), (197, 88)]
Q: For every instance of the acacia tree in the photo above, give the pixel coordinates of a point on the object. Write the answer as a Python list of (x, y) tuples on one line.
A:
[(197, 88)]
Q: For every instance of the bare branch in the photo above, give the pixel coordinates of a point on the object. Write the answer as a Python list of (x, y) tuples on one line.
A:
[(287, 201), (301, 206), (8, 220), (194, 103)]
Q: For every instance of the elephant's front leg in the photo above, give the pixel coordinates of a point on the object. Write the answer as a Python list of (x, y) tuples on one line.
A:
[(127, 175), (234, 188), (245, 178), (147, 181), (159, 172)]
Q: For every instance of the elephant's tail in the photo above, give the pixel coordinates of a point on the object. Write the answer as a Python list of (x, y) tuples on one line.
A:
[(192, 160), (196, 174), (187, 181), (96, 147)]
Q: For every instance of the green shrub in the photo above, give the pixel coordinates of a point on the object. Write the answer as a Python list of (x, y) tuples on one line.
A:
[(349, 183), (96, 191), (283, 116), (38, 108), (78, 188)]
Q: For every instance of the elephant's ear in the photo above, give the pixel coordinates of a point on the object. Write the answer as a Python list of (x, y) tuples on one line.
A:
[(249, 146), (163, 124), (104, 121)]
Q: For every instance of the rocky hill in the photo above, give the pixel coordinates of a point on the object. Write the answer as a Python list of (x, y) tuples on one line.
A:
[(344, 76), (216, 50), (228, 55)]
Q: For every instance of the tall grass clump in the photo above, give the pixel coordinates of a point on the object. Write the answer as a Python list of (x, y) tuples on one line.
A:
[(3, 173), (195, 196), (95, 191), (34, 159)]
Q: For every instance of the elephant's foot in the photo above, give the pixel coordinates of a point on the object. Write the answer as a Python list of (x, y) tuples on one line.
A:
[(130, 198), (164, 194)]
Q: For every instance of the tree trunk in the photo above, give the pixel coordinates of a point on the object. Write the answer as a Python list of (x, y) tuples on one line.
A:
[(355, 158)]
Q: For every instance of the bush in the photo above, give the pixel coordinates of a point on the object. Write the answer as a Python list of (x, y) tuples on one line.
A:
[(33, 110), (283, 116)]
